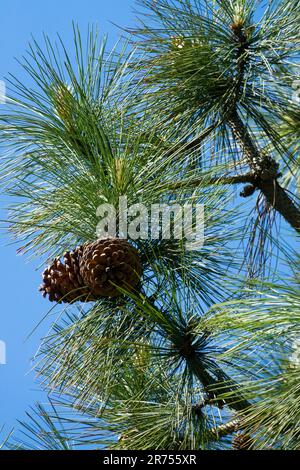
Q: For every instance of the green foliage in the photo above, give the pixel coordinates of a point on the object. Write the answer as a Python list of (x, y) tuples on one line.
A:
[(200, 350), (265, 328), (43, 430), (197, 70), (290, 133)]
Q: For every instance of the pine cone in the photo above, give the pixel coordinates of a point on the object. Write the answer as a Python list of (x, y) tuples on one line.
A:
[(62, 282), (107, 262), (242, 441), (248, 190)]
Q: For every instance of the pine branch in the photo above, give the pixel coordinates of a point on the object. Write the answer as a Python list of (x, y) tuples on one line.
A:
[(214, 381), (211, 385), (264, 167), (265, 170)]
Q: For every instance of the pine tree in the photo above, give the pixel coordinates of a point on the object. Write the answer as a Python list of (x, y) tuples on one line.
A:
[(159, 346)]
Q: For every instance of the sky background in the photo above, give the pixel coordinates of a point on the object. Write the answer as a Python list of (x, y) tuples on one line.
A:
[(21, 305)]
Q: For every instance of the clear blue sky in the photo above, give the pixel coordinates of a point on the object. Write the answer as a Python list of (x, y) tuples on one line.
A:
[(21, 305)]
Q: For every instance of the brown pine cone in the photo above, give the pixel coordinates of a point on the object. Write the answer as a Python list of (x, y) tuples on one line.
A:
[(107, 262), (62, 281), (248, 190)]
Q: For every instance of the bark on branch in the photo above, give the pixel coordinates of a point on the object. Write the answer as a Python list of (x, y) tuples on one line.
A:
[(263, 166), (265, 171)]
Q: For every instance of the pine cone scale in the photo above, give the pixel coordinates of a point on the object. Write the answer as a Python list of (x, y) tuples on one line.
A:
[(93, 270), (108, 258)]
